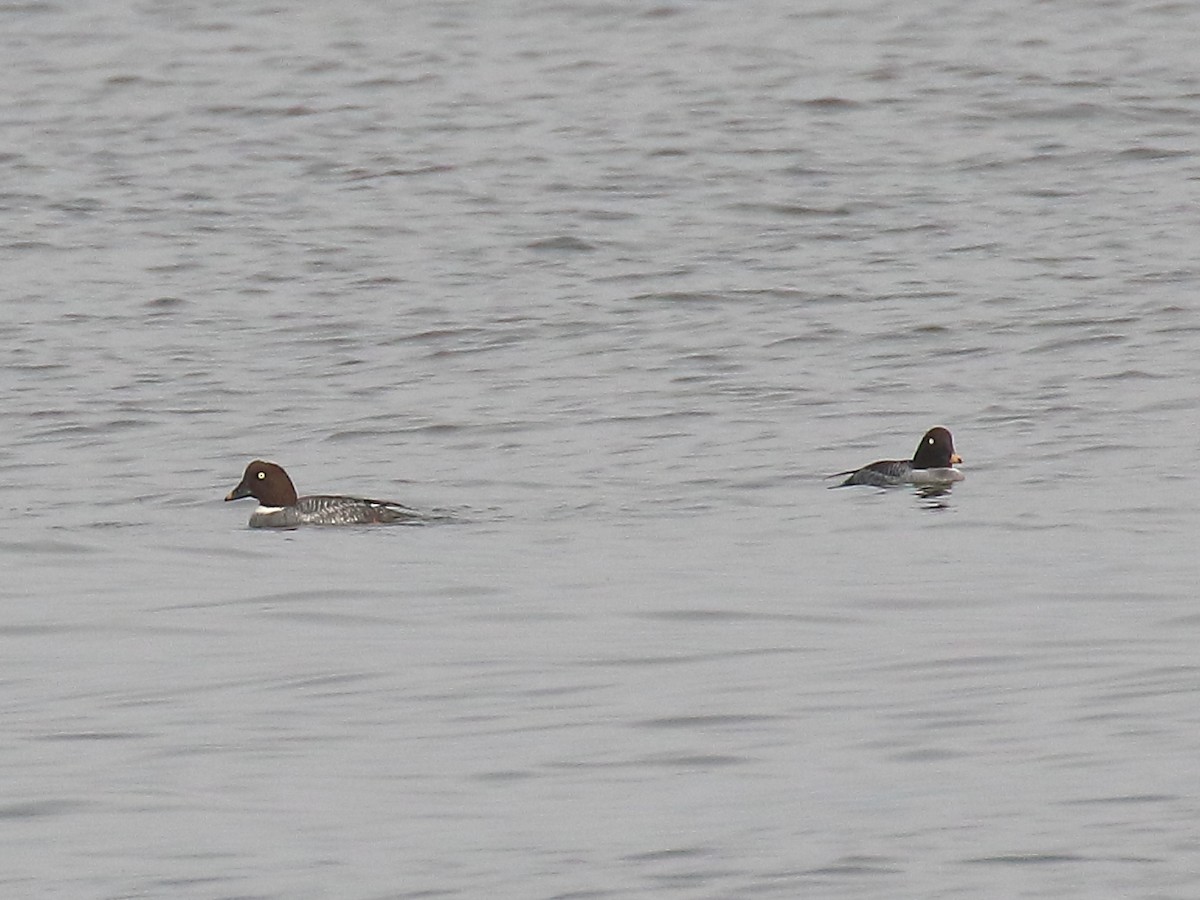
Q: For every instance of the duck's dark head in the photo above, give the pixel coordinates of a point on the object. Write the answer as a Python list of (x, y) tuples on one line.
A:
[(936, 450), (267, 482)]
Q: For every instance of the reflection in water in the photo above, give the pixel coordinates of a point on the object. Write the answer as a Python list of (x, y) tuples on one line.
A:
[(934, 496)]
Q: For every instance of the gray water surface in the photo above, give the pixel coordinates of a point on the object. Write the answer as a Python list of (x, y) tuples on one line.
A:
[(615, 286)]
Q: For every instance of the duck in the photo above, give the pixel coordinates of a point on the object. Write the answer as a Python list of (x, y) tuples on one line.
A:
[(280, 507), (932, 464)]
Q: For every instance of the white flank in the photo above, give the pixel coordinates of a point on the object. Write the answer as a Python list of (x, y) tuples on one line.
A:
[(936, 476)]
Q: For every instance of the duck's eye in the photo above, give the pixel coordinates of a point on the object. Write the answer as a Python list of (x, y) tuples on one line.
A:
[(262, 475)]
